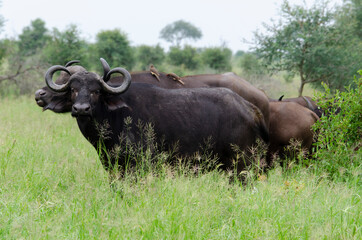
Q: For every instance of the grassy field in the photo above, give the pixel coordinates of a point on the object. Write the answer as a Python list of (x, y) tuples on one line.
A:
[(52, 186)]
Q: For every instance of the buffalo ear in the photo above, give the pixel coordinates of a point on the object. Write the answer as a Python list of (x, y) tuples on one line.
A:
[(59, 105), (115, 102)]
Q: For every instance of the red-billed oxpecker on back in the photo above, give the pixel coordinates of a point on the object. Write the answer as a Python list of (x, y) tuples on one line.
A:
[(170, 81), (184, 116)]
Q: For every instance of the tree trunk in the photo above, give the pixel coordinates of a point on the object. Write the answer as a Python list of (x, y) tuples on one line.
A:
[(302, 80), (300, 90)]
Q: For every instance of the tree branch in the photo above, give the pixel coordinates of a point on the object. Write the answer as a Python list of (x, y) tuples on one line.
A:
[(318, 79), (18, 72)]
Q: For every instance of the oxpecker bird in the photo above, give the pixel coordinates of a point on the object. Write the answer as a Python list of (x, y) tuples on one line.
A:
[(175, 78), (154, 72)]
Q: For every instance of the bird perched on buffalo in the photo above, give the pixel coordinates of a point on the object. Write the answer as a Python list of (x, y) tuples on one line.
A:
[(175, 78), (154, 72)]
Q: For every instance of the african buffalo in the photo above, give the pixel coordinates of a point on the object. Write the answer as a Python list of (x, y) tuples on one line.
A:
[(304, 101), (226, 80), (57, 101), (289, 120), (183, 116)]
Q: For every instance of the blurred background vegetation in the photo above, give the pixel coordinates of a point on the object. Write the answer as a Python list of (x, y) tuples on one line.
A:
[(305, 46)]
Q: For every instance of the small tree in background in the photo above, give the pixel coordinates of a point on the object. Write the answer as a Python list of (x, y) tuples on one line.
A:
[(2, 42), (4, 47), (308, 43), (147, 55), (33, 38), (347, 23), (114, 46), (65, 46), (250, 64), (186, 56), (218, 58), (21, 72), (178, 31), (1, 21), (352, 12)]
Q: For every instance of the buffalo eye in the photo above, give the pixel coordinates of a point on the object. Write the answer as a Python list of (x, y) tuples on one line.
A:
[(96, 92), (73, 91)]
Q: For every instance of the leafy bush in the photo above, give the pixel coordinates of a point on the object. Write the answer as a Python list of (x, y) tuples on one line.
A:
[(65, 46), (339, 132), (186, 56), (147, 55), (218, 58), (114, 46), (250, 65)]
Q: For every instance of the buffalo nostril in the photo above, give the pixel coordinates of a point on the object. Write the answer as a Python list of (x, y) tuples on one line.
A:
[(40, 93), (81, 109)]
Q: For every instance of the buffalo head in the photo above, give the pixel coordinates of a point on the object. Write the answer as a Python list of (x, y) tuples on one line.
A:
[(57, 101), (88, 91)]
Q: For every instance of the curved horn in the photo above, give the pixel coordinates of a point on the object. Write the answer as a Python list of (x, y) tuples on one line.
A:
[(71, 63), (309, 104), (106, 69), (49, 79), (124, 86), (280, 98)]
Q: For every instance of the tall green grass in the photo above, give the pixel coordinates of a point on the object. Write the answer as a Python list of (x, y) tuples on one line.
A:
[(53, 186)]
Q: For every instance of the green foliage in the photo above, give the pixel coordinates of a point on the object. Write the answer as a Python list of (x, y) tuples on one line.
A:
[(239, 53), (65, 46), (5, 46), (218, 58), (33, 38), (352, 12), (339, 146), (187, 56), (251, 65), (114, 46), (1, 21), (179, 31), (310, 43), (147, 55), (2, 42), (19, 74), (348, 32)]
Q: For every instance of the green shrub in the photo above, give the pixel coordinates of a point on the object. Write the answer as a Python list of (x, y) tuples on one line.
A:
[(186, 56), (114, 46), (339, 132), (218, 58), (251, 65), (147, 55)]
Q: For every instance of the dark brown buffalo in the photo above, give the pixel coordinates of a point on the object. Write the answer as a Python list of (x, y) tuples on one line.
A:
[(57, 101), (305, 101), (288, 121), (226, 80), (183, 116)]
